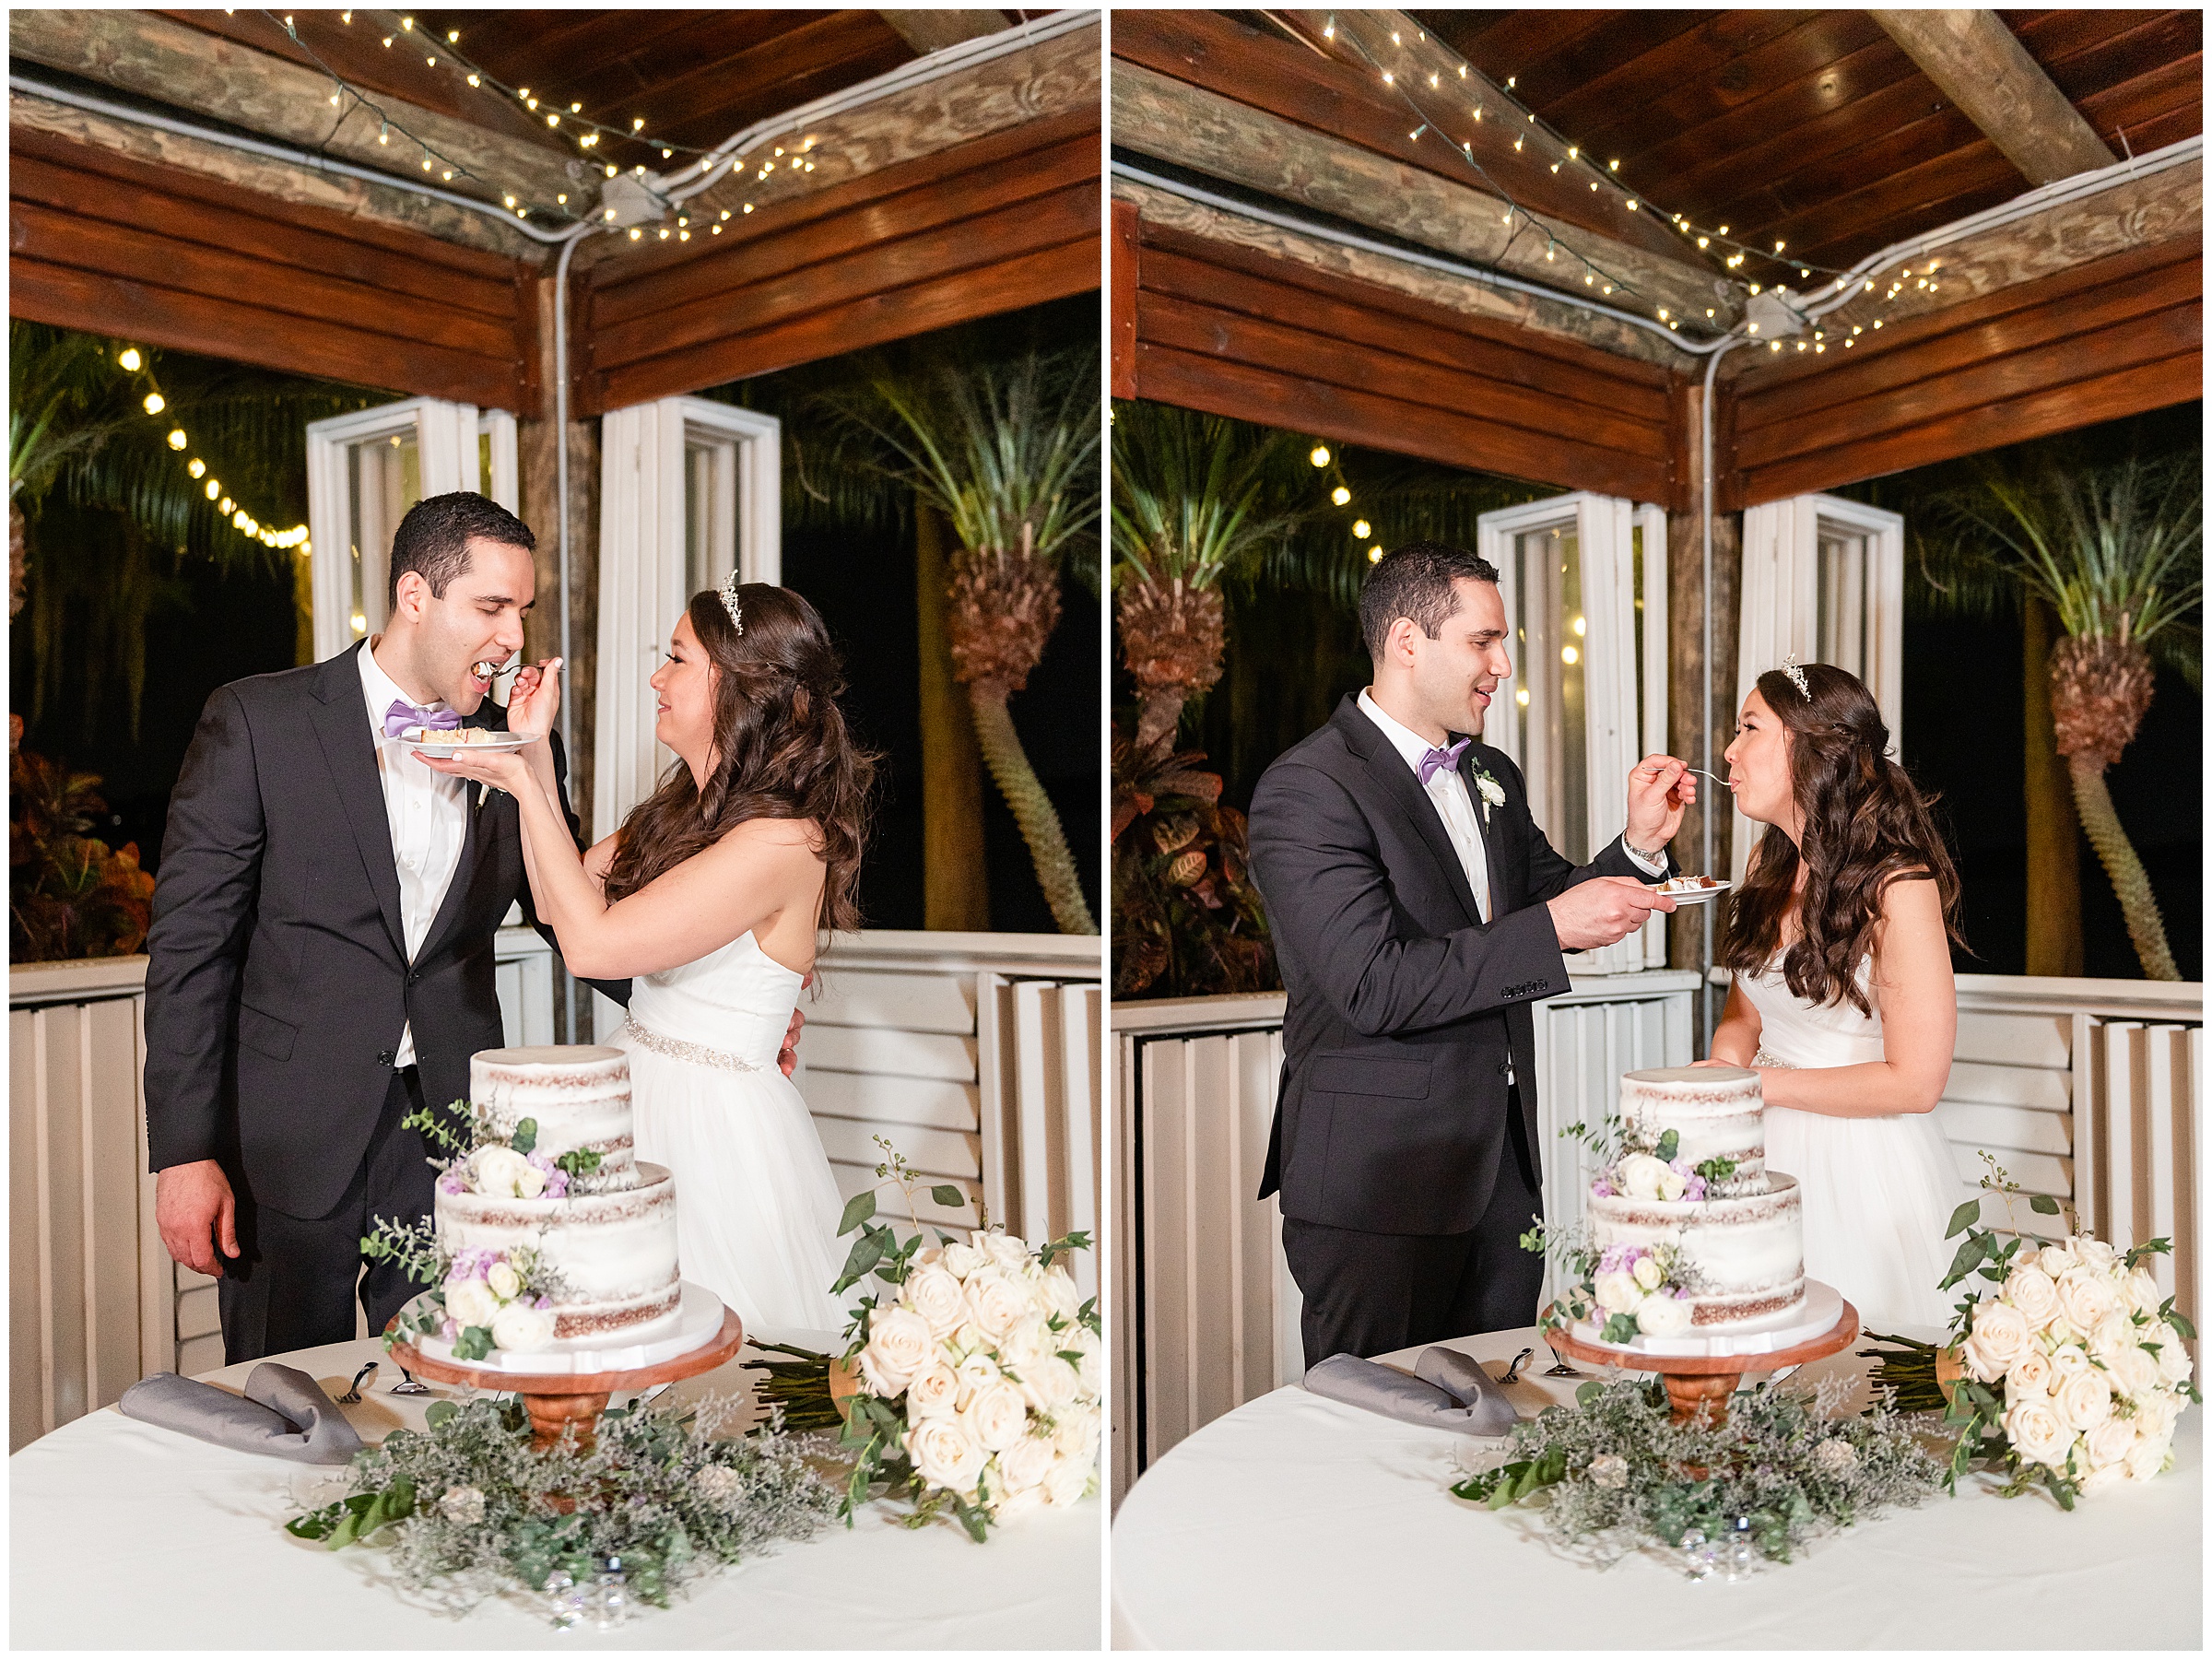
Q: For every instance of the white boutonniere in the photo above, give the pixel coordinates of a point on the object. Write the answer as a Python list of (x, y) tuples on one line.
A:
[(1490, 790)]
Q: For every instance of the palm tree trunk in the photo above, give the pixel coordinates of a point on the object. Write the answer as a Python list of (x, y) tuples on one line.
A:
[(1157, 716), (956, 875), (1039, 825), (2053, 842), (2137, 904), (15, 557)]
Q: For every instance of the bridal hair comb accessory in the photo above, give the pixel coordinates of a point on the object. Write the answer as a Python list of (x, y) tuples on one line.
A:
[(729, 603), (1796, 675)]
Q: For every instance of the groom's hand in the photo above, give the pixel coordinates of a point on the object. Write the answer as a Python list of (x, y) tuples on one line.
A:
[(193, 1206), (1660, 788), (1602, 912)]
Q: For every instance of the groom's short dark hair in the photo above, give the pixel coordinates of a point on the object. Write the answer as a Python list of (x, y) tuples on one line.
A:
[(1415, 582), (433, 538)]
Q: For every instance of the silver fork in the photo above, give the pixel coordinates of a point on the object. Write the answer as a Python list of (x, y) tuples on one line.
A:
[(1513, 1373), (352, 1397)]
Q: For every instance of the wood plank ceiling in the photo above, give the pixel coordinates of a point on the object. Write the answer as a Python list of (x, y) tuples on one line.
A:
[(693, 78), (1814, 127)]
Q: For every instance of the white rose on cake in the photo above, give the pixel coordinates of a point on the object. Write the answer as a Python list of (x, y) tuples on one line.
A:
[(898, 1347), (1644, 1177), (1618, 1293), (501, 1171), (1663, 1316), (520, 1328), (1648, 1273), (505, 1283), (470, 1301), (936, 1295)]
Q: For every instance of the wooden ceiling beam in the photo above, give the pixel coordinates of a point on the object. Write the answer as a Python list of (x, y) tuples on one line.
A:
[(1226, 139), (933, 31), (1980, 65), (153, 58)]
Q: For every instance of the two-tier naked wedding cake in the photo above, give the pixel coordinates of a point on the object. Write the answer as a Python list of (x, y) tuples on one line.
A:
[(602, 1226), (1691, 1193)]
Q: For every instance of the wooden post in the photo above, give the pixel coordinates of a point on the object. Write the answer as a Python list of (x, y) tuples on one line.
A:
[(1120, 298), (956, 881)]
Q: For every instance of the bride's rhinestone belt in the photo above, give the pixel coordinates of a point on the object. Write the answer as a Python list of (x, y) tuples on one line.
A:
[(699, 1054), (1761, 1059)]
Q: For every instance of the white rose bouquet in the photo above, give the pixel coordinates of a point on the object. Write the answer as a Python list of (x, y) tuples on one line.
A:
[(2070, 1374), (979, 1368)]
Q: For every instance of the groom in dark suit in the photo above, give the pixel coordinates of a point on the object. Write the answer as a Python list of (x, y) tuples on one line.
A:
[(323, 943), (1418, 911)]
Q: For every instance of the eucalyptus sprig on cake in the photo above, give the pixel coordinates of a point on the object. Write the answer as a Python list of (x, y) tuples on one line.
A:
[(1616, 1472), (978, 1369), (2071, 1375), (469, 1509)]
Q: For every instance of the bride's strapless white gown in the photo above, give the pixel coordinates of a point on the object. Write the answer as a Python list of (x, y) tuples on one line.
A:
[(1877, 1190), (756, 1206)]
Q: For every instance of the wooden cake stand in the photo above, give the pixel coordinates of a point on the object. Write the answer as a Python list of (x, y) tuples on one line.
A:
[(556, 1400), (1704, 1383)]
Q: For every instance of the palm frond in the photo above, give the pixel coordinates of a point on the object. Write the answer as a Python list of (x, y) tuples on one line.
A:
[(1196, 495)]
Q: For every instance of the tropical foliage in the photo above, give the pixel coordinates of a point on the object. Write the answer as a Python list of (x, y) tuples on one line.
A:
[(1187, 920), (2116, 552), (1007, 452), (70, 894), (103, 511)]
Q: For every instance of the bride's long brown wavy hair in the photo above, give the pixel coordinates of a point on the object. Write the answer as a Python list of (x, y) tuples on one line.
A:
[(1865, 826), (782, 750)]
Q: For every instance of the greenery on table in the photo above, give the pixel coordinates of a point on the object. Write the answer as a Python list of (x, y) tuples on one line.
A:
[(1615, 1473), (469, 1509)]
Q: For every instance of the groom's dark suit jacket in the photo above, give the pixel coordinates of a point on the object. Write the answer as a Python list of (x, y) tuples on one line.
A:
[(1405, 1009), (279, 979)]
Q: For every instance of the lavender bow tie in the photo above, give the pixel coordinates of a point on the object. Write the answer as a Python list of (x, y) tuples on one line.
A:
[(1443, 761), (404, 715)]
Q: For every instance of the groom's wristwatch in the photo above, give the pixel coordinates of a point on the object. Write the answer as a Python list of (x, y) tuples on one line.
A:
[(1657, 856)]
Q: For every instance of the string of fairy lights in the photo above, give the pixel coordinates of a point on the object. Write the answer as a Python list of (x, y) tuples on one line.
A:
[(133, 361), (1405, 76), (588, 133)]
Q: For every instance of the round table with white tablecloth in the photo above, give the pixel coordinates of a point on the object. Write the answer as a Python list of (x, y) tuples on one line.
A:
[(1296, 1522), (127, 1536)]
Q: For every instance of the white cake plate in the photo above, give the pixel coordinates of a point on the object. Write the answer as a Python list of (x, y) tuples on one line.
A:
[(692, 1325), (1817, 1313)]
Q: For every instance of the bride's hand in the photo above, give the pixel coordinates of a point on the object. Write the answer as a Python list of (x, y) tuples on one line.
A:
[(534, 703), (501, 769)]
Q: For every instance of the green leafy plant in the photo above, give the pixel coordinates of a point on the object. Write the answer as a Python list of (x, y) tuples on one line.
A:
[(469, 1508), (70, 894), (1616, 1472), (1187, 919)]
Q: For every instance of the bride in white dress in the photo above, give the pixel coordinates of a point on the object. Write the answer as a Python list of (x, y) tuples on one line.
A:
[(710, 900), (1839, 940)]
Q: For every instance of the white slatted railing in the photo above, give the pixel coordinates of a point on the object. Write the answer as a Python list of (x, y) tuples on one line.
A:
[(976, 1054), (1215, 1317)]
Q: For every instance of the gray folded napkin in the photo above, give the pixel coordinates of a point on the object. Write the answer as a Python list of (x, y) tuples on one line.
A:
[(284, 1414), (1449, 1392)]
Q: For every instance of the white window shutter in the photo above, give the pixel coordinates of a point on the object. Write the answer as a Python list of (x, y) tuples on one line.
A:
[(1823, 577), (447, 450)]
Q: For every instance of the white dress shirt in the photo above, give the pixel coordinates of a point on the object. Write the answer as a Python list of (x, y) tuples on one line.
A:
[(1463, 821), (428, 813)]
